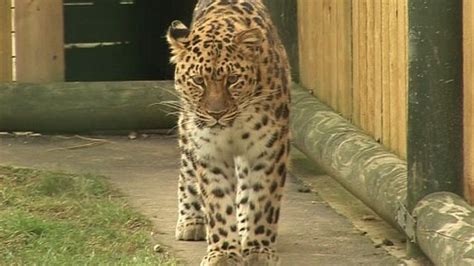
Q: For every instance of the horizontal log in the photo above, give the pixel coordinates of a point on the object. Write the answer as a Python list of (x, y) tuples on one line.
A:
[(75, 107), (360, 164), (444, 222), (445, 229)]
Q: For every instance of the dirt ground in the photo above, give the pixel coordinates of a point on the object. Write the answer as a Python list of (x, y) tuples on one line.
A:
[(312, 232)]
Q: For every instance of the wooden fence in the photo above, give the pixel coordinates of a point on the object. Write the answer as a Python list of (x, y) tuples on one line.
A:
[(353, 57)]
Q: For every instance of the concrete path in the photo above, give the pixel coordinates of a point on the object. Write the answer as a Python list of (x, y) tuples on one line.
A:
[(146, 169)]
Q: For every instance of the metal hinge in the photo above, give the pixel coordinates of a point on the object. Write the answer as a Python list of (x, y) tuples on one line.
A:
[(406, 221)]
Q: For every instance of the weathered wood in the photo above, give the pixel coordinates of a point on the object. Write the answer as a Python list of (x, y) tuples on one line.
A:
[(444, 222), (84, 107), (5, 41), (353, 158), (402, 60), (435, 99), (469, 100), (445, 229), (39, 41), (325, 50), (344, 63)]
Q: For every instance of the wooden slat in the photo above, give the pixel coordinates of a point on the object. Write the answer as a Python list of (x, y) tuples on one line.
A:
[(5, 41), (386, 73), (344, 62), (363, 64), (402, 77), (378, 89), (308, 40), (469, 101), (355, 66), (325, 68), (394, 56), (333, 74), (39, 40), (370, 62)]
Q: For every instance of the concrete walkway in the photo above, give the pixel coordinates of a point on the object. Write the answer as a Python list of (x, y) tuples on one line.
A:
[(146, 169)]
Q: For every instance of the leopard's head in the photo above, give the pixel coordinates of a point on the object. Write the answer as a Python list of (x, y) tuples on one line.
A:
[(217, 69)]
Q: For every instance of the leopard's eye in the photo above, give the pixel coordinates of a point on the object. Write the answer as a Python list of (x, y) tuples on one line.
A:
[(231, 79), (198, 80)]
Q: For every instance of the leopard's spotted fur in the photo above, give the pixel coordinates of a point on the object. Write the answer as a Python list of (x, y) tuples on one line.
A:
[(232, 77)]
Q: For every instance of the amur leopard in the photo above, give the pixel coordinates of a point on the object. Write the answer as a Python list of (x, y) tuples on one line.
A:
[(232, 78)]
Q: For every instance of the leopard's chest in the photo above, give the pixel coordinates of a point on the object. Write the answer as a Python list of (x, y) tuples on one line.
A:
[(240, 140)]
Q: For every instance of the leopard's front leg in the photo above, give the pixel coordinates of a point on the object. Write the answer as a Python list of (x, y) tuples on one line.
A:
[(260, 188), (217, 187), (191, 225)]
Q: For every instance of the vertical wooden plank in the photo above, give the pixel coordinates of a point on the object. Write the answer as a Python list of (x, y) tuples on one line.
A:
[(333, 63), (39, 40), (468, 16), (363, 64), (378, 70), (394, 57), (355, 63), (318, 21), (309, 17), (386, 73), (324, 93), (5, 41), (370, 61), (402, 77), (344, 60)]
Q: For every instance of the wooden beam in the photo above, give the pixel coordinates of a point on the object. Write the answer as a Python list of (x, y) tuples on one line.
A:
[(434, 151), (469, 100), (5, 41), (39, 40), (435, 99), (75, 107)]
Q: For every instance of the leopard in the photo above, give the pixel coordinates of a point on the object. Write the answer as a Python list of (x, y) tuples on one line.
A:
[(232, 79)]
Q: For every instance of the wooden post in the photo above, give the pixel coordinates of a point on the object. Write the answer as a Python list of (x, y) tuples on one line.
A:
[(435, 99), (469, 100), (5, 41), (39, 40)]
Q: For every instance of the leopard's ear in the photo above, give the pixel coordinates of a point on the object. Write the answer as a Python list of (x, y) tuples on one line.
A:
[(249, 40), (178, 39)]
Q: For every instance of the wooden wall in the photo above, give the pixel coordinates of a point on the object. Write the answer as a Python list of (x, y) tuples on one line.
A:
[(353, 56), (325, 51), (469, 100), (39, 39), (5, 41)]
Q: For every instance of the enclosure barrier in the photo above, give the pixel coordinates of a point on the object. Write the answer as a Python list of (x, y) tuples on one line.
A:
[(442, 224), (85, 106)]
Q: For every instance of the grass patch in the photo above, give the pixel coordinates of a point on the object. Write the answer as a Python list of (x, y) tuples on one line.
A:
[(61, 219)]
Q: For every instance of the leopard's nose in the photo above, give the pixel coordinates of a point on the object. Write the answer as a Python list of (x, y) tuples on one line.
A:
[(217, 114)]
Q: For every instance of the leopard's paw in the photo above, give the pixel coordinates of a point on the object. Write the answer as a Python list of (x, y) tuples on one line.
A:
[(261, 258), (191, 230), (216, 258)]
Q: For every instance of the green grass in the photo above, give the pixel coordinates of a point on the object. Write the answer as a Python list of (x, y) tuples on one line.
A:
[(60, 219)]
